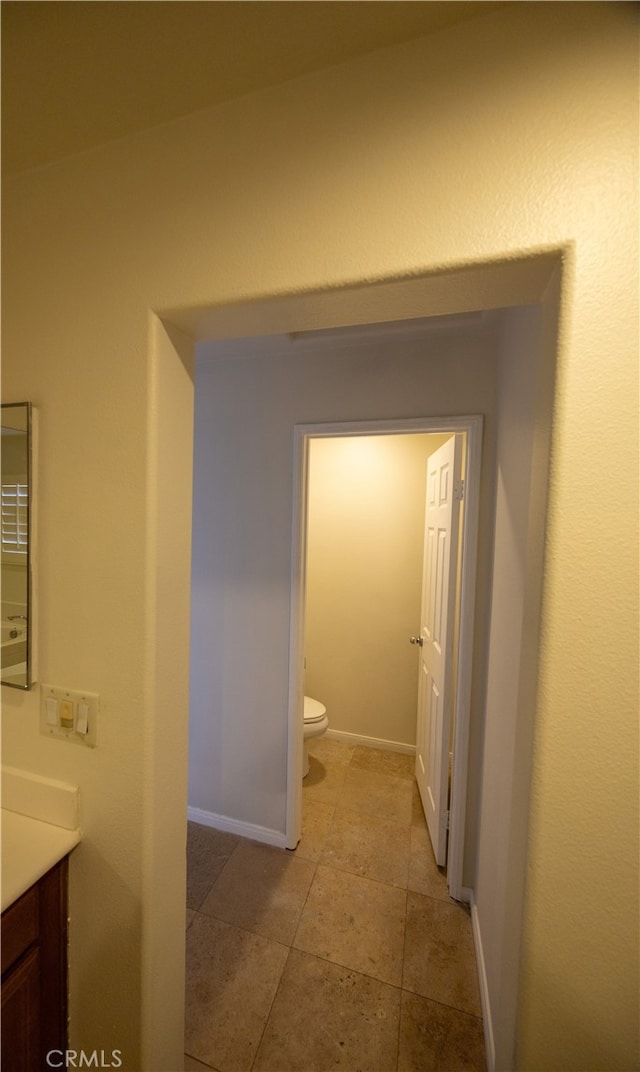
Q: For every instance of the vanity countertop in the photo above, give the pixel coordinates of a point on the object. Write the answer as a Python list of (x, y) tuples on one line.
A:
[(30, 847)]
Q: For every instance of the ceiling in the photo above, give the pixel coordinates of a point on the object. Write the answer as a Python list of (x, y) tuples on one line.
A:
[(76, 75)]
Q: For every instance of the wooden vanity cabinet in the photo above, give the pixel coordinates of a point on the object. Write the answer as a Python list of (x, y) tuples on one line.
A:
[(34, 973)]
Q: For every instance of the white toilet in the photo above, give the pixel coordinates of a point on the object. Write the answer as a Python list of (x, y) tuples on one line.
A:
[(315, 723)]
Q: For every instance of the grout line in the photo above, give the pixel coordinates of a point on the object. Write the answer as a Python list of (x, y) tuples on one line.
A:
[(404, 937), (203, 1063), (356, 874), (267, 1017), (443, 1004), (243, 930), (304, 904)]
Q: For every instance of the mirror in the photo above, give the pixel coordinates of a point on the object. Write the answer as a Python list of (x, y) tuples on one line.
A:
[(17, 655)]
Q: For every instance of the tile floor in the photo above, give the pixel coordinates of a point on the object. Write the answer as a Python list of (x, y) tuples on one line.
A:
[(345, 954)]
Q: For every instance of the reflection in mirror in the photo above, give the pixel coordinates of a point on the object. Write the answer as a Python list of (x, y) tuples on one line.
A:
[(16, 648)]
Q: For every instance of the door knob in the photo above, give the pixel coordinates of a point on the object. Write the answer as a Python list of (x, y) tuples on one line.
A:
[(416, 640)]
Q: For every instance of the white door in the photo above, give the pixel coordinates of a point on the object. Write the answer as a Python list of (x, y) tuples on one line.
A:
[(435, 642)]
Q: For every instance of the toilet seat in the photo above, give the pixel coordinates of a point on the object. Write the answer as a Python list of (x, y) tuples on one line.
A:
[(315, 724), (314, 711)]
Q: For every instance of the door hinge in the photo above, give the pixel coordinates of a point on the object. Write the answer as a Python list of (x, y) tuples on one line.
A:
[(458, 491)]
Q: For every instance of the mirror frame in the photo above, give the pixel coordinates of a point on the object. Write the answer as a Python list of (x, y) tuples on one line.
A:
[(30, 644)]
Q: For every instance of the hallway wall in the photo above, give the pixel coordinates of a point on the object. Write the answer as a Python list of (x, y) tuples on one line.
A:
[(247, 404)]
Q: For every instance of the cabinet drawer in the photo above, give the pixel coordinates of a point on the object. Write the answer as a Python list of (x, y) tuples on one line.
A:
[(19, 927)]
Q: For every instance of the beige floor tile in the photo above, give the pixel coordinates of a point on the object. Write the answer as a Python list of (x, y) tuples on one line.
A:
[(355, 922), (327, 1017), (232, 978), (363, 830), (436, 1038), (367, 845), (424, 875), (397, 764), (372, 793), (316, 823), (439, 957), (207, 852), (329, 750), (261, 889), (324, 781)]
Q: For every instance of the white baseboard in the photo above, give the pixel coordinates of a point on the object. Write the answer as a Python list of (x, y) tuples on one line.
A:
[(371, 742), (236, 826), (484, 989)]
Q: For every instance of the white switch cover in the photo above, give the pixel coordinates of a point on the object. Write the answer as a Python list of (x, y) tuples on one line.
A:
[(51, 707), (84, 708), (82, 719)]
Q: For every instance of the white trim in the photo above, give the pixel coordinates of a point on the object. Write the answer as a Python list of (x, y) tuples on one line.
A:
[(487, 1022), (462, 712), (295, 760), (371, 742), (472, 425), (236, 826), (341, 429)]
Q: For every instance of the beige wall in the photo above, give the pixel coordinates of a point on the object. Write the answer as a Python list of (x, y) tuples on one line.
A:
[(514, 134), (364, 578)]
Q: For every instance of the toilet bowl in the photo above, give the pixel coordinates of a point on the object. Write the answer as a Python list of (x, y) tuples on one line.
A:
[(315, 723)]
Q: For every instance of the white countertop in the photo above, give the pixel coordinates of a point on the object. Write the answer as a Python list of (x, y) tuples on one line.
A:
[(40, 825), (30, 847)]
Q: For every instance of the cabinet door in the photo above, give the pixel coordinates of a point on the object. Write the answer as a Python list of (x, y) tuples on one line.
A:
[(34, 974), (21, 1015), (52, 893)]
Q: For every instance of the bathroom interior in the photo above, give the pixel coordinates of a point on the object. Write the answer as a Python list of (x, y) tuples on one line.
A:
[(365, 544)]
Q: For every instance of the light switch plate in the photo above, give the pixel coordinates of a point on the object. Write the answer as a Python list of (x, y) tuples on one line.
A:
[(69, 701)]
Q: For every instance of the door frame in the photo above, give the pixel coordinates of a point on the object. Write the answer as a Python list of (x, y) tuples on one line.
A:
[(302, 434)]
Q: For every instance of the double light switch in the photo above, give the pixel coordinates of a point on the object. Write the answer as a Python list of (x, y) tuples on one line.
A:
[(69, 714)]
